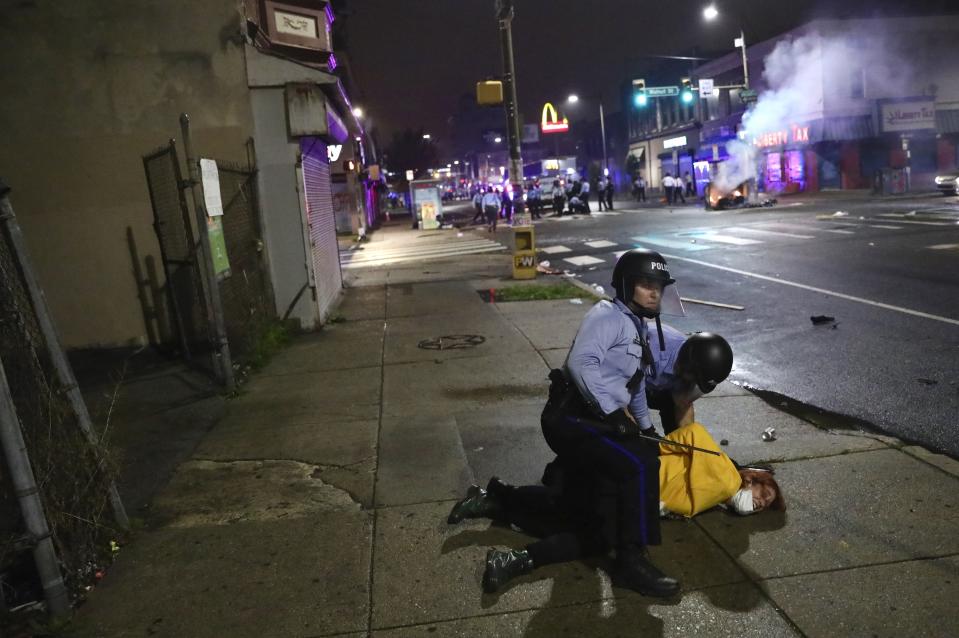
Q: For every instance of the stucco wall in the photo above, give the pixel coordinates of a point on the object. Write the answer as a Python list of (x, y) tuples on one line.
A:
[(89, 87)]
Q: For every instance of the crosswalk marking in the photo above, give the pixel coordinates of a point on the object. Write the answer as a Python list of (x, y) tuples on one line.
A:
[(583, 260), (761, 231), (943, 246), (670, 243), (724, 239), (600, 243), (886, 226), (552, 250), (385, 253), (371, 257)]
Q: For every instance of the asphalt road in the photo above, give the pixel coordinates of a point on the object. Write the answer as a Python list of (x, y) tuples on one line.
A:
[(887, 270)]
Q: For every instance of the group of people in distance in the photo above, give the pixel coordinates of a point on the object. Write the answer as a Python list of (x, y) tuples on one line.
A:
[(614, 476), (571, 196)]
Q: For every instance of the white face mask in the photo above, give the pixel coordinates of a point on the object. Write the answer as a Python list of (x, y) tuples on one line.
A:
[(742, 501)]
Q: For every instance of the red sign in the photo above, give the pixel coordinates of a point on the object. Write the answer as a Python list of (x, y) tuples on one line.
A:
[(794, 134)]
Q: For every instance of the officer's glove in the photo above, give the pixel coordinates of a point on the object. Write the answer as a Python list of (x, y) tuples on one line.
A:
[(622, 423)]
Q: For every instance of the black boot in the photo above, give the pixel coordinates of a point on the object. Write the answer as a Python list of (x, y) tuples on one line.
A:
[(501, 567), (635, 571), (479, 503)]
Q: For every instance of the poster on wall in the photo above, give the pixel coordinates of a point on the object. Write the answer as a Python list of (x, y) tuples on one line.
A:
[(907, 115), (213, 203)]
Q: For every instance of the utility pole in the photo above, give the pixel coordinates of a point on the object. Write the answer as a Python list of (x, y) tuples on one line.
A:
[(742, 46), (504, 13)]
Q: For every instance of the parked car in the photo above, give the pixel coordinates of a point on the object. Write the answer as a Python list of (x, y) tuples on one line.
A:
[(948, 182)]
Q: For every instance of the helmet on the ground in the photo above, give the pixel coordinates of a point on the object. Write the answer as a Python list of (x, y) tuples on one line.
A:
[(638, 263), (707, 357)]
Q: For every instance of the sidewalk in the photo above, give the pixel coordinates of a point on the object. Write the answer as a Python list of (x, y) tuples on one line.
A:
[(317, 505)]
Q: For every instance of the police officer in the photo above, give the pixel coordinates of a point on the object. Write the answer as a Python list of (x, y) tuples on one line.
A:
[(684, 370), (597, 404)]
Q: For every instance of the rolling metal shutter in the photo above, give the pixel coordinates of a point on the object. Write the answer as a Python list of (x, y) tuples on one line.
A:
[(319, 203)]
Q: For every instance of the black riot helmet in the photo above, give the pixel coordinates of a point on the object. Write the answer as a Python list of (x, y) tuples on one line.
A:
[(636, 264), (706, 357)]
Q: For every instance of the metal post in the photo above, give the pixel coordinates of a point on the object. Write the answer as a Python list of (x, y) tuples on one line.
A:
[(214, 303), (25, 484), (504, 12), (68, 383), (742, 41), (602, 130)]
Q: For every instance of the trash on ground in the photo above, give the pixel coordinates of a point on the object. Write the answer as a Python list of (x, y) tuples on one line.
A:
[(576, 301), (724, 442), (871, 244), (840, 213), (911, 213), (545, 262), (459, 234), (712, 303), (546, 270), (927, 381), (570, 273), (599, 289), (819, 320), (769, 434)]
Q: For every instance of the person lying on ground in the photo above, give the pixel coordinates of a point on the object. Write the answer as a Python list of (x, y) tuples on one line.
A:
[(572, 518)]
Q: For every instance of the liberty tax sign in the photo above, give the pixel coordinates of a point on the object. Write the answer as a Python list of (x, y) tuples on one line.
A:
[(911, 115)]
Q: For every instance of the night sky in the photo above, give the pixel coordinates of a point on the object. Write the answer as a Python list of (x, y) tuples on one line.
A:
[(412, 59)]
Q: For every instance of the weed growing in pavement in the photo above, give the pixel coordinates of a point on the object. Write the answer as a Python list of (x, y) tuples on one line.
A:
[(537, 292)]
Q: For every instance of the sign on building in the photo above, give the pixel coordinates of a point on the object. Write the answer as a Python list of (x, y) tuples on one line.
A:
[(705, 87), (907, 115)]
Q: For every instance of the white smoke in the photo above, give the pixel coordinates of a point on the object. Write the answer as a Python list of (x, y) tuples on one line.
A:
[(797, 74)]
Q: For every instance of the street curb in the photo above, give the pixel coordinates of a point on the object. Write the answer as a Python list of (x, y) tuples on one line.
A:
[(586, 287)]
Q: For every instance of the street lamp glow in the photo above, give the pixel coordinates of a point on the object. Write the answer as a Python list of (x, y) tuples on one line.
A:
[(357, 111), (457, 162), (426, 136), (572, 99), (498, 140), (711, 12)]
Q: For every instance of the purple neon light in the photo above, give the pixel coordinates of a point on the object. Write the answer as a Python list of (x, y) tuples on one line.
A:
[(331, 63), (330, 17)]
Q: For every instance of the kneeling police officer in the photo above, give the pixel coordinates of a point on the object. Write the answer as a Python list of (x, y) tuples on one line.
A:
[(597, 403)]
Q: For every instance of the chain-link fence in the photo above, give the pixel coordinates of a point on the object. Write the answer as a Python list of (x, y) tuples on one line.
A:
[(245, 294), (74, 485), (171, 220)]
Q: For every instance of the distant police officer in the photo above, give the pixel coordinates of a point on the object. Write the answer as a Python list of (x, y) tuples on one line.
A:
[(597, 404)]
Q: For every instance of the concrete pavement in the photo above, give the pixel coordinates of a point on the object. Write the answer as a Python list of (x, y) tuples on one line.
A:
[(316, 506)]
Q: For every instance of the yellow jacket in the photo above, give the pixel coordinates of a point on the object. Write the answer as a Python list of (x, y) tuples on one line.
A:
[(691, 482)]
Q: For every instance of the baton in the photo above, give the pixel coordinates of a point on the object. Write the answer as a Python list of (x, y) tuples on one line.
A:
[(605, 426)]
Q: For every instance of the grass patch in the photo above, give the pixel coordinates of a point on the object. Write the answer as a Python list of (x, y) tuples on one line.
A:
[(274, 337), (537, 292)]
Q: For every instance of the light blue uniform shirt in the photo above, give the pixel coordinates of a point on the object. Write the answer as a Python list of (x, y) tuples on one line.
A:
[(664, 378), (606, 353), (491, 199)]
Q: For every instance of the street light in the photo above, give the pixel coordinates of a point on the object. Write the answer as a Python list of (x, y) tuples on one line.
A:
[(357, 111), (573, 99), (710, 13), (497, 140), (426, 136)]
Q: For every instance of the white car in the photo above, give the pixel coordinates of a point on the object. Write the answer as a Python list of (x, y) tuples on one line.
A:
[(948, 183)]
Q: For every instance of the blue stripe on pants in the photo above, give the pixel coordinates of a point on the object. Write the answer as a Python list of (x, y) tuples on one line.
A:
[(641, 466)]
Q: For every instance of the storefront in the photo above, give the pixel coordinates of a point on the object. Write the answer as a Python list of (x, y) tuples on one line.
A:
[(678, 155)]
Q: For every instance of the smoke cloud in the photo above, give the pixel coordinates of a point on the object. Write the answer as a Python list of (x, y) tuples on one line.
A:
[(801, 72)]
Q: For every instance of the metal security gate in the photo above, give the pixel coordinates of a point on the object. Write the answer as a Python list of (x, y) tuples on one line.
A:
[(319, 201)]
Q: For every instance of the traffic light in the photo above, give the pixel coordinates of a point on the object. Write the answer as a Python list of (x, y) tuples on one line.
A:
[(639, 93), (686, 94)]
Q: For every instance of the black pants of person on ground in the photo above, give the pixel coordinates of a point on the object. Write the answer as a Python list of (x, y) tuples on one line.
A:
[(631, 465), (584, 197), (566, 525)]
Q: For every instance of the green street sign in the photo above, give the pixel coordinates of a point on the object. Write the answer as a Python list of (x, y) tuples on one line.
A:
[(662, 91)]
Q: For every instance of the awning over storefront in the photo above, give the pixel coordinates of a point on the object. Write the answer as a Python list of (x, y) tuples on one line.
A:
[(841, 128)]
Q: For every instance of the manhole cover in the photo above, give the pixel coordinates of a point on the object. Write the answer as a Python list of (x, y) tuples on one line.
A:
[(451, 342)]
